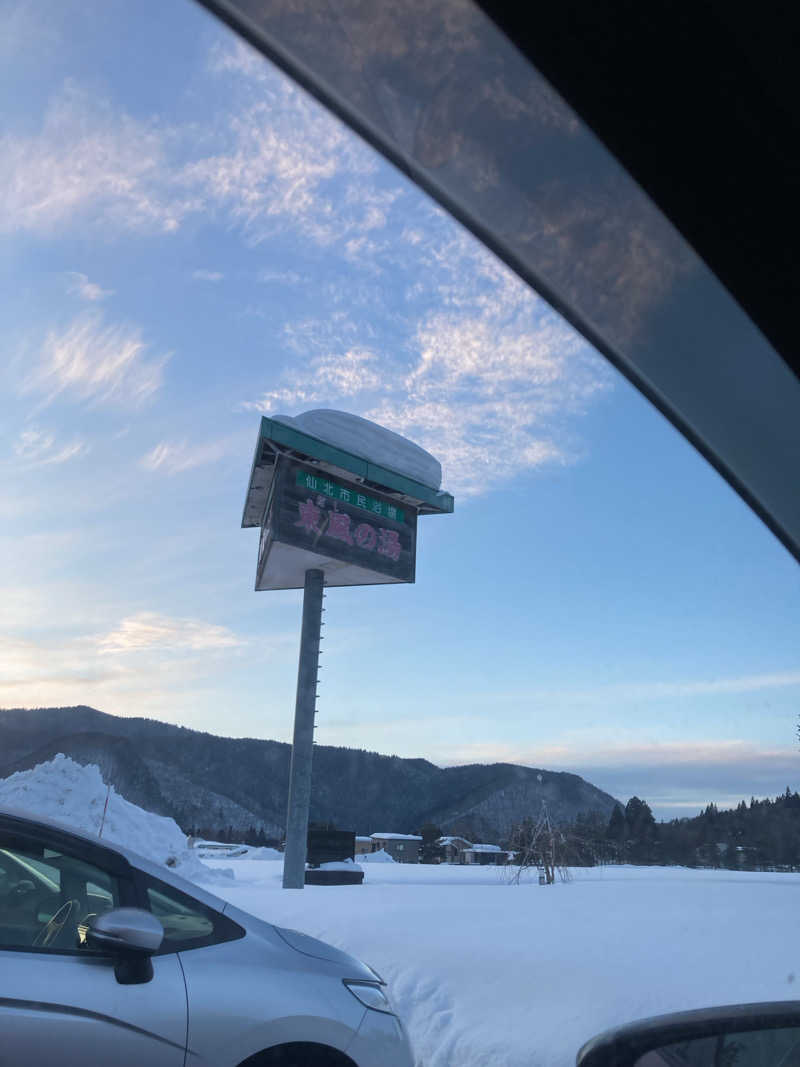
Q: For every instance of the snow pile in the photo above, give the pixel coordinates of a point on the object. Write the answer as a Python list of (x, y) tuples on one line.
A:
[(381, 856), (263, 853), (339, 865), (64, 790), (369, 441)]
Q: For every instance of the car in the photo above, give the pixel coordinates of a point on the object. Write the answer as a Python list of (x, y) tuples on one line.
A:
[(106, 957)]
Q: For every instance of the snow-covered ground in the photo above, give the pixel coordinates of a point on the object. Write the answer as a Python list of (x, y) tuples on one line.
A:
[(488, 973), (485, 972)]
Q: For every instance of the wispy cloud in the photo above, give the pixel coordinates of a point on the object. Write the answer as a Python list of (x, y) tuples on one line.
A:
[(28, 666), (654, 690), (40, 448), (675, 778), (174, 457), (270, 158), (573, 751), (148, 630), (284, 160), (81, 286), (88, 160), (92, 360), (207, 275), (150, 664), (487, 381), (282, 277)]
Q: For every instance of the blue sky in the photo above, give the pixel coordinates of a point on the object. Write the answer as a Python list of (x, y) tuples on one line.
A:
[(189, 242)]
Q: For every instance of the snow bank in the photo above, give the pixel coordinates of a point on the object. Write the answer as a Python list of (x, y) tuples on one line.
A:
[(62, 789), (263, 853), (370, 441), (381, 856)]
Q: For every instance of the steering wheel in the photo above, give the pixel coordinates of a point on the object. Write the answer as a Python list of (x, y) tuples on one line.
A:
[(53, 927)]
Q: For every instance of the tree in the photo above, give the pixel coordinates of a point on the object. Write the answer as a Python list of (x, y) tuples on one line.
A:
[(430, 852), (617, 832), (641, 830)]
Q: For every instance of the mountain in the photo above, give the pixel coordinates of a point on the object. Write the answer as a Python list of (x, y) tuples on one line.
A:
[(204, 780)]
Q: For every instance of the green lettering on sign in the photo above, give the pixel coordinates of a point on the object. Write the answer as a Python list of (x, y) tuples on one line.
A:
[(321, 483)]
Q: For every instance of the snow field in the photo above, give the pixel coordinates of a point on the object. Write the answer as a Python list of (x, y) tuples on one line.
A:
[(484, 972)]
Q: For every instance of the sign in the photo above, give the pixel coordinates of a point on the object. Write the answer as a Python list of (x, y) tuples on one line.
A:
[(353, 533), (316, 483)]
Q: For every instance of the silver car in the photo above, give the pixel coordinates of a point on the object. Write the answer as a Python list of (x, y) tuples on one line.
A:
[(107, 958)]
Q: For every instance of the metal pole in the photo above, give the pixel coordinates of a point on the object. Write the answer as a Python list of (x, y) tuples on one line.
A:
[(294, 858)]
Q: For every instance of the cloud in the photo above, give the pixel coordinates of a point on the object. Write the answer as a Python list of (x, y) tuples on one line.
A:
[(40, 448), (148, 630), (25, 664), (81, 286), (168, 668), (655, 690), (88, 160), (284, 160), (174, 457), (207, 275), (487, 379), (282, 277), (270, 157), (96, 362), (675, 778)]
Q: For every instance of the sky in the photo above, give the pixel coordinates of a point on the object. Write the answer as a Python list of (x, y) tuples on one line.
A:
[(189, 242)]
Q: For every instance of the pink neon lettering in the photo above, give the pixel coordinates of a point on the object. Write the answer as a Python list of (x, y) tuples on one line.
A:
[(390, 544), (339, 526), (366, 537), (309, 516)]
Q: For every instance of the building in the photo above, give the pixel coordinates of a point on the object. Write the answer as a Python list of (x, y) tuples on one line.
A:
[(403, 848), (364, 845), (484, 854), (452, 847)]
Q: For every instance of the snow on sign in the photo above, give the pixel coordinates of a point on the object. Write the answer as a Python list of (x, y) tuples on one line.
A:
[(356, 536), (335, 492)]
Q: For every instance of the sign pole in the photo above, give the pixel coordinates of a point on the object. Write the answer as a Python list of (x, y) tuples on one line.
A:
[(294, 859)]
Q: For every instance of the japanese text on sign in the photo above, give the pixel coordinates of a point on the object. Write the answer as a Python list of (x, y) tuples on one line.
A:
[(320, 484), (314, 518)]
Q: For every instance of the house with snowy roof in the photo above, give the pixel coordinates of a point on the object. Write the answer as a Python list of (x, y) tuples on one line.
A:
[(403, 848), (364, 844), (452, 846), (484, 854)]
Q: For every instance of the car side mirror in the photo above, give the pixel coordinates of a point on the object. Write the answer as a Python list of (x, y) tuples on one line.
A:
[(130, 934), (742, 1035)]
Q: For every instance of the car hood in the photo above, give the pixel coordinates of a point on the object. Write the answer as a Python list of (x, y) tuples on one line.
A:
[(321, 950)]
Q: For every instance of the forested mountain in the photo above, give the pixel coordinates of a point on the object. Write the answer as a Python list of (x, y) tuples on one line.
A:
[(761, 834), (203, 780)]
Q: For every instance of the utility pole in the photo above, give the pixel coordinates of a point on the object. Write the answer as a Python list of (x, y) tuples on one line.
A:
[(294, 859)]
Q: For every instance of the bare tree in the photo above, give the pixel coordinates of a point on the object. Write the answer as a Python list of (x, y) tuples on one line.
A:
[(535, 845), (551, 850)]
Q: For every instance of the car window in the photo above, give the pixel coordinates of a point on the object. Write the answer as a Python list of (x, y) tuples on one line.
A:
[(596, 668), (187, 923), (48, 896)]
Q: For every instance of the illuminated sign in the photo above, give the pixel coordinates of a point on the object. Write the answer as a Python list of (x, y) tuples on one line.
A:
[(356, 535)]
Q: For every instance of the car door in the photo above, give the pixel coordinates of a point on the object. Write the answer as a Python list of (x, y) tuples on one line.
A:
[(60, 1001)]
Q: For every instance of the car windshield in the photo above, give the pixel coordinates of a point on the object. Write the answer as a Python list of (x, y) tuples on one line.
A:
[(561, 757)]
